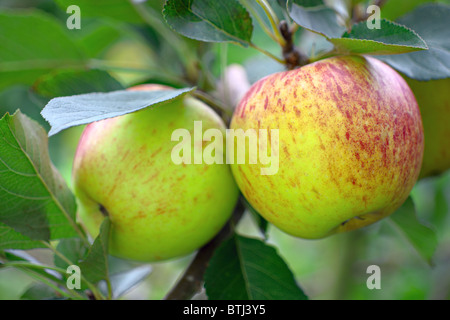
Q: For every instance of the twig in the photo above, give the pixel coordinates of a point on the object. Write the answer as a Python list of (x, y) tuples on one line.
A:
[(267, 53), (192, 280), (273, 20), (292, 56)]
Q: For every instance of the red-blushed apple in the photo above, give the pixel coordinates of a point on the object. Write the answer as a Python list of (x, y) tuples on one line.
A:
[(433, 98), (158, 209), (350, 145)]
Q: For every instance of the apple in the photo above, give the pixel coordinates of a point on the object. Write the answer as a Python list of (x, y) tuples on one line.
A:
[(433, 98), (350, 145), (158, 209)]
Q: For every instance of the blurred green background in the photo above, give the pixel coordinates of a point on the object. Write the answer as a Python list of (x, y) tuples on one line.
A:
[(331, 268)]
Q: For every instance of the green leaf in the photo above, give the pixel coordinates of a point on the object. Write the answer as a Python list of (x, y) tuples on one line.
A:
[(124, 281), (315, 16), (99, 36), (122, 10), (254, 7), (393, 9), (283, 3), (210, 21), (73, 82), (441, 210), (248, 269), (39, 291), (32, 264), (421, 236), (11, 239), (257, 218), (66, 112), (31, 44), (73, 249), (392, 38), (95, 266), (24, 97), (431, 23), (35, 200)]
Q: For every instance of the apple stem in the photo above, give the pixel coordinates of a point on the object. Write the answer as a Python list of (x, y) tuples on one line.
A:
[(293, 56), (192, 280)]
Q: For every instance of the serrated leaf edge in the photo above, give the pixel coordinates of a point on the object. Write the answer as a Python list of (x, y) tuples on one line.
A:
[(386, 44), (245, 43)]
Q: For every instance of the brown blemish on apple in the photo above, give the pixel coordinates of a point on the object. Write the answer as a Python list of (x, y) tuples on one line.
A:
[(112, 189), (266, 103), (316, 192), (125, 155), (156, 152), (151, 178), (242, 112), (249, 184), (141, 215)]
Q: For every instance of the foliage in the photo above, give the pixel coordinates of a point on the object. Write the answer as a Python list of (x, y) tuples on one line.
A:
[(72, 74)]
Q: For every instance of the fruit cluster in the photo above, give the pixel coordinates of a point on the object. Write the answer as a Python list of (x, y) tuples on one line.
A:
[(351, 145)]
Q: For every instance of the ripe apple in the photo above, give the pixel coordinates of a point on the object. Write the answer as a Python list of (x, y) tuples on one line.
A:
[(158, 210), (433, 98), (350, 145)]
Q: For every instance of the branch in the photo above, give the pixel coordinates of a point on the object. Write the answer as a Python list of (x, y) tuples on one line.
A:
[(292, 56), (192, 280)]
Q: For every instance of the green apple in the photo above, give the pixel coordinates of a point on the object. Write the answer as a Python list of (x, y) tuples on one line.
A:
[(159, 210), (350, 145), (433, 98)]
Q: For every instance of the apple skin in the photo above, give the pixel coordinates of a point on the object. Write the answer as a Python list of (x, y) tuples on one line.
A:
[(350, 145), (433, 98), (158, 210)]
